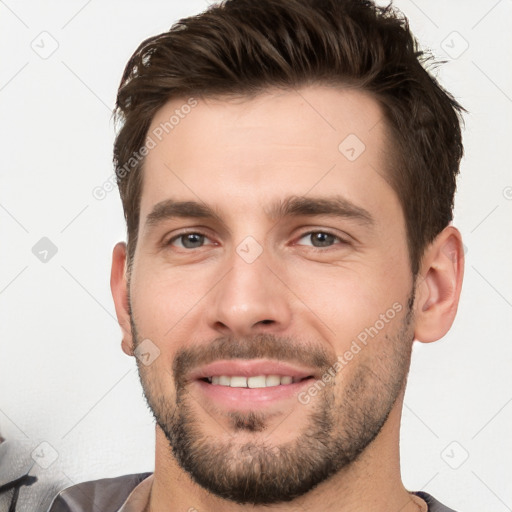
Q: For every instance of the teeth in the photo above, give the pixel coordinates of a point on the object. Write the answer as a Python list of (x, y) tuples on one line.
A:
[(259, 381), (238, 382), (256, 382), (224, 381), (273, 380)]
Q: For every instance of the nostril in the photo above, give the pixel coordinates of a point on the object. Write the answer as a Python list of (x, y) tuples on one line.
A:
[(266, 322)]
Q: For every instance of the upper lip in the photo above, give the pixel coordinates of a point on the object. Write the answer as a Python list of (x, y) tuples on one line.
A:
[(250, 368)]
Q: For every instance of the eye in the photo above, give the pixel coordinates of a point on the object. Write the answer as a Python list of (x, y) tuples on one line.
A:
[(321, 239), (190, 240)]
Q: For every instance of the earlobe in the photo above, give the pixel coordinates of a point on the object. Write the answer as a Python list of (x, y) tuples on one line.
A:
[(119, 288), (438, 290)]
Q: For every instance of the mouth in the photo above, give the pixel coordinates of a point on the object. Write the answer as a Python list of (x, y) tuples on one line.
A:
[(250, 384), (254, 381)]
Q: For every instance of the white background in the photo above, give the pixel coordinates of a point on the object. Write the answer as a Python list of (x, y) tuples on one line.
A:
[(63, 377)]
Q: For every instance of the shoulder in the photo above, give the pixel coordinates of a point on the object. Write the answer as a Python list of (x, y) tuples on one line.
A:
[(433, 504), (106, 494)]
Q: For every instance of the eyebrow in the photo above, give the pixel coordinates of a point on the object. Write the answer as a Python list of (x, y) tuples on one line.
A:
[(293, 206)]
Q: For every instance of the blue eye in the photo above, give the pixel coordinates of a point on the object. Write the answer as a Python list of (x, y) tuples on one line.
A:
[(317, 239), (321, 239), (188, 240)]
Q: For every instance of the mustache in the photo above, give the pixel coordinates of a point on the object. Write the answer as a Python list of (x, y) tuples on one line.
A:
[(261, 346)]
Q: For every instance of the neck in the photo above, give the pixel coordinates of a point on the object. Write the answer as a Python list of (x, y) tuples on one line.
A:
[(372, 482)]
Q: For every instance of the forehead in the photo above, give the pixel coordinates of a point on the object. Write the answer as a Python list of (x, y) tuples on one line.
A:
[(241, 152)]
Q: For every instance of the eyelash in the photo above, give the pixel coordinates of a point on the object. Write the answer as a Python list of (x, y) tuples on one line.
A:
[(306, 233)]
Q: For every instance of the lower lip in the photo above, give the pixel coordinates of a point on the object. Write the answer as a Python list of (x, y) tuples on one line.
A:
[(250, 398)]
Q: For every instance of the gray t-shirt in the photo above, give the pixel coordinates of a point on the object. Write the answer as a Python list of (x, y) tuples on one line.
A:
[(433, 504)]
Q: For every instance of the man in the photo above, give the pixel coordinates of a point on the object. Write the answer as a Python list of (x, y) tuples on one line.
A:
[(287, 171)]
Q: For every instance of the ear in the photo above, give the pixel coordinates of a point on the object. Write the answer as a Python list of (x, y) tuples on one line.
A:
[(439, 285), (119, 287)]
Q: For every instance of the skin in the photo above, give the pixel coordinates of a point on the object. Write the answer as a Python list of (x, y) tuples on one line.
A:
[(239, 156)]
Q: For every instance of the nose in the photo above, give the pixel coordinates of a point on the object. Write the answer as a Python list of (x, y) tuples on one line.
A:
[(250, 298)]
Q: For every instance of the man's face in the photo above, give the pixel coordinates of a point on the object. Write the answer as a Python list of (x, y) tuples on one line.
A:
[(273, 288)]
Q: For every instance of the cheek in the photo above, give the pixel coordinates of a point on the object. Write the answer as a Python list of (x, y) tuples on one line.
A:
[(348, 299), (164, 301)]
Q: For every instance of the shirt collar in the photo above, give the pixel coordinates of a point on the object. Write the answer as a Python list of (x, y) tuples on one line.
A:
[(138, 499)]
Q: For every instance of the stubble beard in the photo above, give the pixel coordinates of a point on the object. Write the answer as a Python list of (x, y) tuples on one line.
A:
[(340, 426)]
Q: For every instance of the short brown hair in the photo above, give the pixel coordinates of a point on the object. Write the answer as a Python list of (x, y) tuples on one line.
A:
[(243, 47)]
